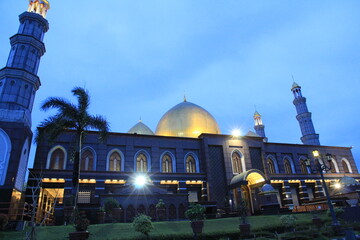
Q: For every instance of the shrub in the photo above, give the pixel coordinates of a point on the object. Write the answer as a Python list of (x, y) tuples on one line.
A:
[(196, 212), (3, 221), (288, 221), (160, 204), (338, 212), (142, 223), (110, 203), (82, 223)]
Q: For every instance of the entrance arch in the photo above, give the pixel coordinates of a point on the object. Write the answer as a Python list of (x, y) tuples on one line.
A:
[(246, 185)]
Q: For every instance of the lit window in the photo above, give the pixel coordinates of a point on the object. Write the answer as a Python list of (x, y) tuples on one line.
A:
[(190, 164), (166, 164), (57, 159), (303, 167), (141, 163), (287, 166), (87, 160), (236, 162), (114, 162), (271, 167)]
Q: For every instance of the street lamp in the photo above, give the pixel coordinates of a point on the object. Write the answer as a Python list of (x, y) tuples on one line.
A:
[(321, 167)]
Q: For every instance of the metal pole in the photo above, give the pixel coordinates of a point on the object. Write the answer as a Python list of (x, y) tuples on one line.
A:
[(331, 208)]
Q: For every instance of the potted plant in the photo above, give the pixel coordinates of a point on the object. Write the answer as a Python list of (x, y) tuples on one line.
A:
[(111, 203), (81, 225), (244, 226), (142, 223), (101, 215), (196, 214), (160, 210)]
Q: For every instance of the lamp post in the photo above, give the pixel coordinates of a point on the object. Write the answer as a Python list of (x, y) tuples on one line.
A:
[(321, 168)]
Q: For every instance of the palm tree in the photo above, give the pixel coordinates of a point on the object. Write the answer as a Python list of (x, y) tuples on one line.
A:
[(70, 116)]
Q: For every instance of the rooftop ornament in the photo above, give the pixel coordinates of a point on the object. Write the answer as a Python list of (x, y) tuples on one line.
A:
[(39, 6)]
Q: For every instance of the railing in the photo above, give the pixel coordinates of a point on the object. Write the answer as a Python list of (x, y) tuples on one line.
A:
[(311, 208)]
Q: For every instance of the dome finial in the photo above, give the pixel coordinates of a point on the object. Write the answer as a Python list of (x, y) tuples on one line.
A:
[(184, 96), (140, 119), (39, 6)]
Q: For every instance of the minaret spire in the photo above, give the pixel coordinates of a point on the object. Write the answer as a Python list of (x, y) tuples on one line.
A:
[(259, 126), (18, 85), (304, 117)]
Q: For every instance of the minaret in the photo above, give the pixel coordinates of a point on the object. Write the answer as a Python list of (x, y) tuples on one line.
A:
[(304, 117), (18, 85), (259, 127)]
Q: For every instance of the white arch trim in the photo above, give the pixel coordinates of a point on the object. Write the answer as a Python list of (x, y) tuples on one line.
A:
[(173, 161), (94, 155), (336, 165), (5, 151), (242, 158), (291, 163), (147, 157), (197, 164), (348, 164), (21, 172), (122, 159), (273, 159), (51, 152)]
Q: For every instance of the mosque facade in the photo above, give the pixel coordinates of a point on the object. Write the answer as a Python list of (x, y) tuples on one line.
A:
[(187, 159)]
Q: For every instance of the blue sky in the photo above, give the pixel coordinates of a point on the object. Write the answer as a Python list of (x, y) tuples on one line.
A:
[(137, 58)]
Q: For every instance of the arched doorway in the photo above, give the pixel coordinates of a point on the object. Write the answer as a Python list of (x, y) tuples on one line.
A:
[(246, 186)]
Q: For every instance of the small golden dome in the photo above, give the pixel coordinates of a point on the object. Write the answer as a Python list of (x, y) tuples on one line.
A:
[(141, 128), (187, 120), (295, 85)]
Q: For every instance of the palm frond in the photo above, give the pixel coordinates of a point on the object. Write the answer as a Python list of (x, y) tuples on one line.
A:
[(50, 128), (99, 123), (65, 107), (83, 99)]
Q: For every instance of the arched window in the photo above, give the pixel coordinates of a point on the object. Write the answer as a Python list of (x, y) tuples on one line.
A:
[(114, 161), (141, 163), (236, 162), (166, 163), (190, 164), (303, 167), (5, 151), (345, 166), (271, 166), (57, 159), (287, 166), (87, 160)]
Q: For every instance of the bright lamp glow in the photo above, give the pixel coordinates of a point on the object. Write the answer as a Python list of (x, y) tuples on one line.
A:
[(337, 185), (140, 181), (236, 133), (316, 153)]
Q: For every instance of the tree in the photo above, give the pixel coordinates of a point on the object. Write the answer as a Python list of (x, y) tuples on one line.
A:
[(71, 117)]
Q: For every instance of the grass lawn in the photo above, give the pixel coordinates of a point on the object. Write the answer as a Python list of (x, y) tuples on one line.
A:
[(125, 230)]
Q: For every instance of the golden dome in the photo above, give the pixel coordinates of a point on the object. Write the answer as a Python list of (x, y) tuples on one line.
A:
[(187, 120), (141, 128)]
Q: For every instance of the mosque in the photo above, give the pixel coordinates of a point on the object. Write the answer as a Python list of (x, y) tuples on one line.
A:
[(187, 159)]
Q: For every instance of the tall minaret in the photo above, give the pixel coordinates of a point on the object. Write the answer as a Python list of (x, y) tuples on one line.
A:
[(18, 85), (259, 127), (304, 117)]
